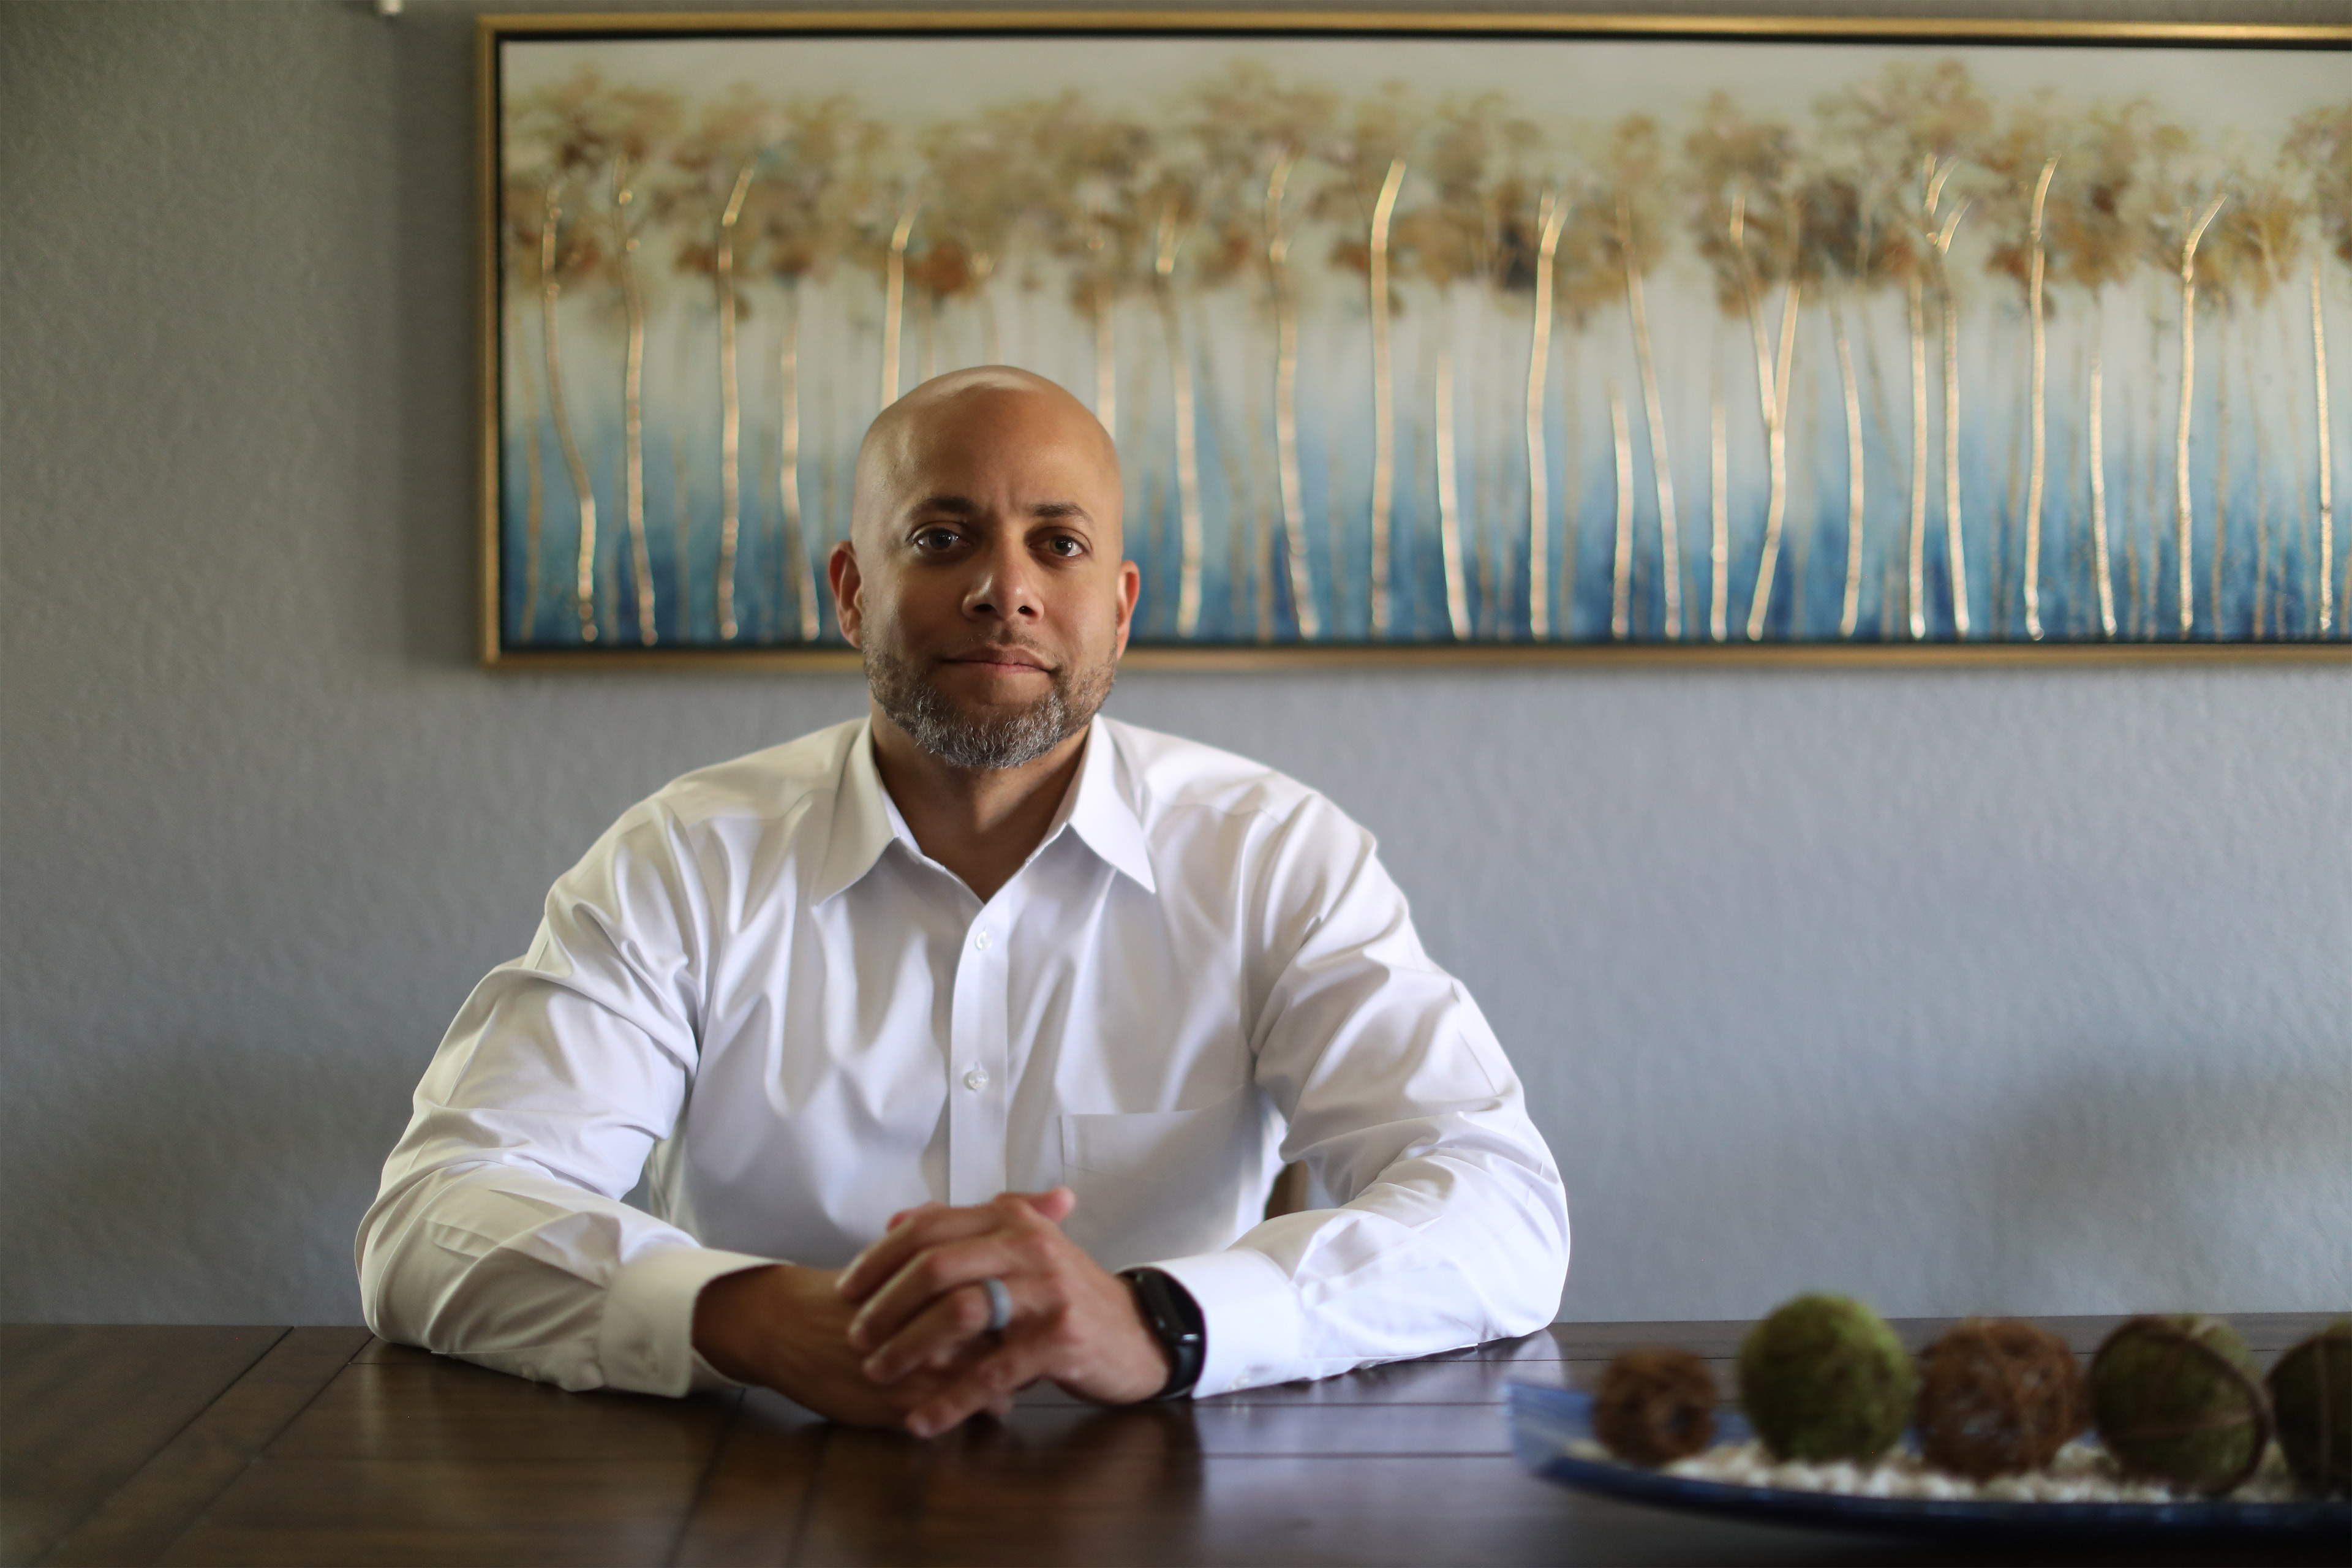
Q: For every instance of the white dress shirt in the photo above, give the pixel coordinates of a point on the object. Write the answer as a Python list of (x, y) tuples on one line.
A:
[(757, 991)]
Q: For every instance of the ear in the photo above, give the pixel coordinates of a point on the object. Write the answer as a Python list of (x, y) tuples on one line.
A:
[(1131, 584), (848, 591)]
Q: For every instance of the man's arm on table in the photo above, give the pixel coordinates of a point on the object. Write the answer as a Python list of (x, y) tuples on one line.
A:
[(498, 1234), (1453, 1229)]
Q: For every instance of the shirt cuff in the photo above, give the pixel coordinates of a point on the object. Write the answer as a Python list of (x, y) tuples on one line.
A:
[(647, 1345), (1249, 1314)]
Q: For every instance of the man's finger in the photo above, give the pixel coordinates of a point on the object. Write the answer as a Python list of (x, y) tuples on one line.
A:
[(953, 1328), (1055, 1204), (940, 1276), (988, 1385), (921, 1229)]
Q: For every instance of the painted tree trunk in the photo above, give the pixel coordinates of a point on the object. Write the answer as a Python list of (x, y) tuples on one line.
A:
[(1285, 454), (534, 487), (1776, 508), (1652, 407), (2039, 395), (1955, 543), (1188, 456), (681, 559), (730, 412), (2098, 434), (1772, 405), (893, 301), (1621, 555), (1553, 216), (2216, 549), (584, 573), (1718, 495), (1915, 580), (798, 581), (2327, 468), (2183, 504), (1188, 471), (1449, 502), (632, 413), (1383, 399), (1850, 612), (1285, 404)]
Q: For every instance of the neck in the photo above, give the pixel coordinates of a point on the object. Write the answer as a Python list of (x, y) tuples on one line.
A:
[(979, 823)]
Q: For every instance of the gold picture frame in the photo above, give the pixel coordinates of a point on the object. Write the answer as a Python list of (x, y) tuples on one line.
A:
[(1408, 360)]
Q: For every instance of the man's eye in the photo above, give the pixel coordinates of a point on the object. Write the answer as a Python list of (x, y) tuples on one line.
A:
[(936, 539), (1066, 546)]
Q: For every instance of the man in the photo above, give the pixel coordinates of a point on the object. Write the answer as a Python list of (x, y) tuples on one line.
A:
[(923, 1027)]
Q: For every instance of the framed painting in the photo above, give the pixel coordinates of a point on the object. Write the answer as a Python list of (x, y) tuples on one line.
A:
[(1425, 337)]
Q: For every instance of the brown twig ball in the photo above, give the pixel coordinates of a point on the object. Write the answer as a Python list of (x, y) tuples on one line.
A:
[(1656, 1406), (1998, 1397)]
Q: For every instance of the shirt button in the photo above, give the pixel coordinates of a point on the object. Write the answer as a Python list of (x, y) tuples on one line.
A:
[(976, 1080), (981, 942)]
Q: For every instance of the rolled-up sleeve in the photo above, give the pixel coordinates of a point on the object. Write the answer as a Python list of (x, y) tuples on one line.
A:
[(498, 1234), (1452, 1228)]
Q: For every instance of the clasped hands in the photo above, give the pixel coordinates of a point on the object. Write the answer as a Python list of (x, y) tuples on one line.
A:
[(900, 1338)]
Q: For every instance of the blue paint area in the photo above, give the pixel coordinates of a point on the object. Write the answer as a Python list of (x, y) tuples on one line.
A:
[(2254, 530)]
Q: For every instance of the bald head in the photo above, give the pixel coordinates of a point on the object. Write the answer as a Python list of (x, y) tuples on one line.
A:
[(990, 412)]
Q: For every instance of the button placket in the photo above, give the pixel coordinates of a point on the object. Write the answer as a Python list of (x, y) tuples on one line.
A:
[(994, 941), (981, 1088), (967, 1164)]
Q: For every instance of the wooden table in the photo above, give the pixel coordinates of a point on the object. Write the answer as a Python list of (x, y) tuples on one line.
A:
[(328, 1446)]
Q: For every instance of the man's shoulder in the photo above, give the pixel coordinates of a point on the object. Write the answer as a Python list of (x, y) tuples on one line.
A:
[(1168, 773), (769, 784)]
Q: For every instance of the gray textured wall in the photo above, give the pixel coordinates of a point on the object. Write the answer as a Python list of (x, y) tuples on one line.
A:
[(2002, 989)]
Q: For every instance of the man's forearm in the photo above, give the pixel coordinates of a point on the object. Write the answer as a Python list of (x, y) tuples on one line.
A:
[(509, 1268)]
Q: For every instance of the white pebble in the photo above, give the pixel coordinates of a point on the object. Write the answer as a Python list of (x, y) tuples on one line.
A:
[(2081, 1472)]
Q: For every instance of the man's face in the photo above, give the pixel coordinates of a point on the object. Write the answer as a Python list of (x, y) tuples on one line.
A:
[(984, 582)]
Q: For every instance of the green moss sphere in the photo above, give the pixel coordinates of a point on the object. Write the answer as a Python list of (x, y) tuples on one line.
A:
[(2177, 1399), (2311, 1401), (1824, 1378)]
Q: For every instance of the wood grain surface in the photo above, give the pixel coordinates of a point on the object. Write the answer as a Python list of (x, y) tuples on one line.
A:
[(82, 1408), (327, 1446)]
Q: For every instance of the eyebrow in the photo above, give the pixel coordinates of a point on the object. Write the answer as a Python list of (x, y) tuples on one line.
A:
[(964, 506)]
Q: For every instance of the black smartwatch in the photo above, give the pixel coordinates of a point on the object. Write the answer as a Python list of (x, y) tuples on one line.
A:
[(1174, 1319)]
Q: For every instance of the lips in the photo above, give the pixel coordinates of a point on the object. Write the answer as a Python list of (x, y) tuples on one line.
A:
[(1000, 657)]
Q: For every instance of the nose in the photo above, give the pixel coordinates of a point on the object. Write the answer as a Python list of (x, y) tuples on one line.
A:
[(1004, 586)]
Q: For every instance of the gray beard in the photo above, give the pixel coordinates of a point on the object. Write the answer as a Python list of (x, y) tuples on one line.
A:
[(963, 739)]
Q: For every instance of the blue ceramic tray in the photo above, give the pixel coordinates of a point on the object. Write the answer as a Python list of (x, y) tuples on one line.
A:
[(1546, 1420)]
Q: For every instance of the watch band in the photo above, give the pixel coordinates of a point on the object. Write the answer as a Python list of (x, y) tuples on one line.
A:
[(1174, 1319)]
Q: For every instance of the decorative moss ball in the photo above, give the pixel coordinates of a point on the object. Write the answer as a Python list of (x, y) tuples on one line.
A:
[(1654, 1406), (2311, 1400), (2177, 1399), (1824, 1378), (1998, 1397)]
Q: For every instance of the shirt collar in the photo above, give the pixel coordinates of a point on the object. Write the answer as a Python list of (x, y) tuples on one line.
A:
[(866, 820), (1099, 812)]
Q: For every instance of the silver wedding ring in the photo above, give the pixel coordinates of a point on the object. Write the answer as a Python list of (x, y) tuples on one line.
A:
[(1000, 1304)]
